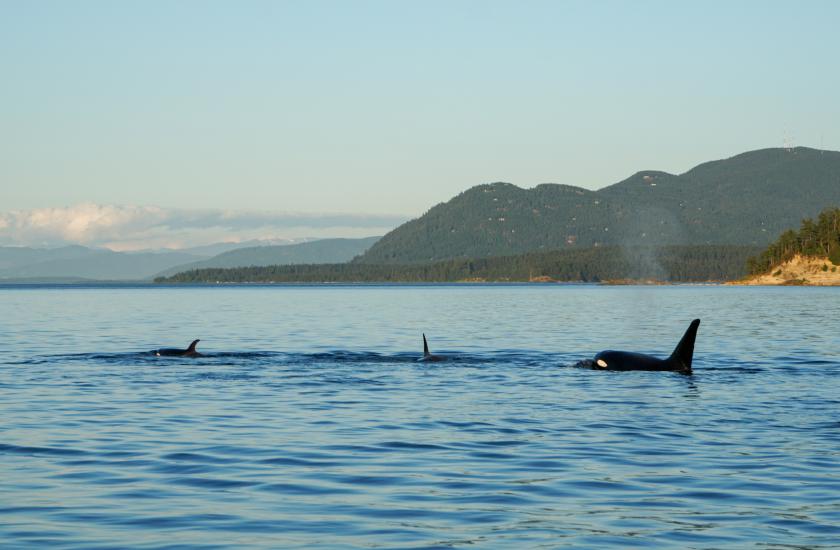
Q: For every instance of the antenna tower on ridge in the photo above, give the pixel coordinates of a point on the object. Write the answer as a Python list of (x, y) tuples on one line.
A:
[(787, 142)]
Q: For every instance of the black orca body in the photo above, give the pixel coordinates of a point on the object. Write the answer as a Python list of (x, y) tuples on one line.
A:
[(428, 357), (679, 361), (175, 352)]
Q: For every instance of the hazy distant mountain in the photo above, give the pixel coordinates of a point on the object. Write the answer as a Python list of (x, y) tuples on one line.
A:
[(17, 256), (748, 199), (79, 262), (57, 281), (214, 249), (322, 251), (70, 263)]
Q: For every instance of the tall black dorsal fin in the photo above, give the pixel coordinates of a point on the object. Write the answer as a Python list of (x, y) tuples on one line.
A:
[(192, 346), (684, 351), (425, 347)]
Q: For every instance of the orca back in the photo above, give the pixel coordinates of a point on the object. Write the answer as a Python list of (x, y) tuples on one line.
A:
[(679, 361), (175, 352), (628, 360)]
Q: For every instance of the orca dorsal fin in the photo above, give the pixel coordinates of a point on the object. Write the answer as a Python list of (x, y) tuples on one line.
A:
[(425, 347), (191, 349), (684, 351)]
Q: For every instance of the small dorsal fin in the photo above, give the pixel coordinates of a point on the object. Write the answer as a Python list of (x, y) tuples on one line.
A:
[(684, 351), (192, 346), (425, 347)]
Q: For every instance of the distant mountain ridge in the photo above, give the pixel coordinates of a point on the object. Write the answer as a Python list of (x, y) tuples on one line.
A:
[(748, 199), (12, 257), (80, 263), (313, 252), (214, 249)]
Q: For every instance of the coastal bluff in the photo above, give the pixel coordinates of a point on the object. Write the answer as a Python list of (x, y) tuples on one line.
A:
[(799, 270)]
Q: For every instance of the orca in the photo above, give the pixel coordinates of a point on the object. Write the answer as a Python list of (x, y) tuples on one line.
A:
[(428, 357), (679, 361), (175, 352)]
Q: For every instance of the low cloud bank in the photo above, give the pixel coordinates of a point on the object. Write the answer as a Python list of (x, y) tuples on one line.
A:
[(147, 227)]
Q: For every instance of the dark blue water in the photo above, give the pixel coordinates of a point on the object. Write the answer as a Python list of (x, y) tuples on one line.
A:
[(309, 422)]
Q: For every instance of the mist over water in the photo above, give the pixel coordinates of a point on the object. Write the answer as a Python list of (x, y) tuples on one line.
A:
[(309, 422)]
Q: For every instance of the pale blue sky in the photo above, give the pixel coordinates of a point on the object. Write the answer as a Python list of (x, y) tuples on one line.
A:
[(391, 107)]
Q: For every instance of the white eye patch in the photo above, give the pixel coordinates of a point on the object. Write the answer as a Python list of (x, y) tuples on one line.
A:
[(601, 363)]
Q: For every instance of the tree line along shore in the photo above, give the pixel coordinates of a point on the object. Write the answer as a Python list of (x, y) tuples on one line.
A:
[(672, 264)]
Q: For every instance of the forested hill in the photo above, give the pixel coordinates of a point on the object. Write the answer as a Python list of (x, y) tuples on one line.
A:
[(748, 199)]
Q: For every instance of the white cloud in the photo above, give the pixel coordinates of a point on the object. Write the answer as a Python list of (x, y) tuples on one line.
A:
[(140, 227)]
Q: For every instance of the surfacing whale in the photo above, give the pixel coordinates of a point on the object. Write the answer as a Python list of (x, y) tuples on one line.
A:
[(679, 361), (175, 352), (428, 357)]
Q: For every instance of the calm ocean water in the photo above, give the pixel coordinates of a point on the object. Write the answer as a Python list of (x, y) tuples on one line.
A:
[(309, 422)]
